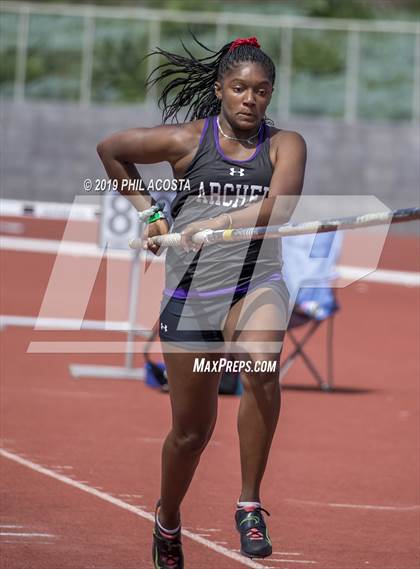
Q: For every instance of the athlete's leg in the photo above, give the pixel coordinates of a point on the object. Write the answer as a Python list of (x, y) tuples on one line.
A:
[(257, 324), (194, 409)]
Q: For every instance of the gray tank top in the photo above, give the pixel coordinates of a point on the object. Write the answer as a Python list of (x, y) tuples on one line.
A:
[(214, 184)]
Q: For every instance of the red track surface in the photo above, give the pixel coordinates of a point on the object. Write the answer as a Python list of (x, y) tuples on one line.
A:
[(355, 447)]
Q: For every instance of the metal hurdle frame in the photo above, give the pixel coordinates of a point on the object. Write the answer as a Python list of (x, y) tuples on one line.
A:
[(107, 238), (127, 371)]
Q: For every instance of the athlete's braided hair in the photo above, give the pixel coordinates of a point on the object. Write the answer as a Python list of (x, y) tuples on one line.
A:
[(192, 79)]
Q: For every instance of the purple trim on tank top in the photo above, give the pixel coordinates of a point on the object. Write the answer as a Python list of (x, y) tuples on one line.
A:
[(203, 132), (223, 155), (182, 294)]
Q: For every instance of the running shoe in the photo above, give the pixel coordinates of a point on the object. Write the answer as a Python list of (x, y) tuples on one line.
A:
[(167, 548), (255, 541)]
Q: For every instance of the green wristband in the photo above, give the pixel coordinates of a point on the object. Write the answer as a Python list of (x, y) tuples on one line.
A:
[(155, 217)]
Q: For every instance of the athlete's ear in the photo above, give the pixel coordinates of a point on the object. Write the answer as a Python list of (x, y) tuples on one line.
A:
[(218, 90)]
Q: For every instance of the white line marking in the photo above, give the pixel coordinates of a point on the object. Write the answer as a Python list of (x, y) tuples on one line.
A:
[(77, 248), (286, 553), (405, 278), (38, 542), (42, 323), (74, 248), (99, 347), (16, 534), (128, 507), (369, 507), (358, 506), (2, 526), (293, 561), (207, 529)]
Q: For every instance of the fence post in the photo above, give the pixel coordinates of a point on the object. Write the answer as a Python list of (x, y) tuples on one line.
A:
[(22, 53), (221, 34), (352, 75), (87, 57), (154, 40), (286, 71), (416, 84)]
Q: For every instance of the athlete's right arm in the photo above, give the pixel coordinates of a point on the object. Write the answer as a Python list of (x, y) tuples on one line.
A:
[(122, 150)]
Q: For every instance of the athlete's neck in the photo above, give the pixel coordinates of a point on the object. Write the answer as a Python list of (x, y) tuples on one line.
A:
[(242, 136)]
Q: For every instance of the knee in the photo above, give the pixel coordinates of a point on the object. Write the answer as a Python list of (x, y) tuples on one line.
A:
[(262, 373), (257, 350), (191, 442)]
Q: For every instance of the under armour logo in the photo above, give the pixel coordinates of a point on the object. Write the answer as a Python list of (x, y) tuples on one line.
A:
[(164, 327), (237, 172)]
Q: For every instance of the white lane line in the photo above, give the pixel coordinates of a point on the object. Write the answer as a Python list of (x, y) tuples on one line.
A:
[(128, 507), (406, 278), (19, 542), (286, 553), (74, 248), (358, 506), (39, 542), (10, 526), (305, 561), (80, 249), (372, 507), (207, 529), (19, 534), (42, 323)]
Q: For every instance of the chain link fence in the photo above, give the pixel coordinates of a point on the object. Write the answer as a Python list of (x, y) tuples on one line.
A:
[(350, 69)]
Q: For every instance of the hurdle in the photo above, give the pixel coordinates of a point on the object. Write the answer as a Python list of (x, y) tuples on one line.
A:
[(112, 237)]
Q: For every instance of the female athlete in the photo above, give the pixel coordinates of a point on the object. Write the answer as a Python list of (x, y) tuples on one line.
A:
[(227, 297)]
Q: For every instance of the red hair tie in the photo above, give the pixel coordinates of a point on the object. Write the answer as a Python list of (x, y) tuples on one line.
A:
[(244, 41)]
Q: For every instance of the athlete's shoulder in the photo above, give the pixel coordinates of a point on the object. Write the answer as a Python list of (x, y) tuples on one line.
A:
[(190, 130), (286, 146), (279, 136), (179, 139), (286, 143), (186, 135), (186, 138)]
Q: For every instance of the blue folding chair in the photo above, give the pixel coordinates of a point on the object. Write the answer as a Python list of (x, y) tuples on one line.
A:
[(309, 266)]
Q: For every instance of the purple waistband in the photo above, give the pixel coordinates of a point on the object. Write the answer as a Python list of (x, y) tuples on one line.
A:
[(182, 294)]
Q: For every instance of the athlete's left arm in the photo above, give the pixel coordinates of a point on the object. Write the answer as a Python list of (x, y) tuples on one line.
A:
[(285, 186)]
